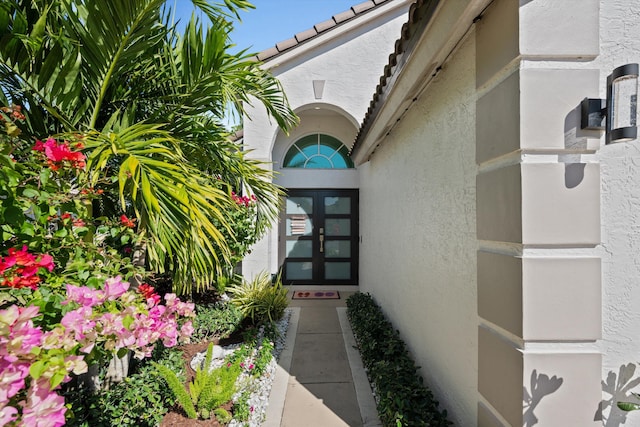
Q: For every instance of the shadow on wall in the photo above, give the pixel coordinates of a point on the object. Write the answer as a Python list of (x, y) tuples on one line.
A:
[(618, 387), (541, 386), (577, 140)]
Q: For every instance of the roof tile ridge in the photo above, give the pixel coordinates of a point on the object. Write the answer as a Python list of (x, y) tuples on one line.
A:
[(319, 28)]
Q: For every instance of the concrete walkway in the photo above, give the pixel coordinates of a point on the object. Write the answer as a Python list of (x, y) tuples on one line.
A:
[(320, 381)]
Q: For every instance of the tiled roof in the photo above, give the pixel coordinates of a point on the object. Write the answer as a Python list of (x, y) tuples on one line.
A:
[(319, 28), (420, 14)]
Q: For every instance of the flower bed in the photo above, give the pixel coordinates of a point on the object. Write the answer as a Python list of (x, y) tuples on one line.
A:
[(402, 399)]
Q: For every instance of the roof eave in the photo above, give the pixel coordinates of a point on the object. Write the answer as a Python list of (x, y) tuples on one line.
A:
[(435, 39), (419, 17), (326, 31)]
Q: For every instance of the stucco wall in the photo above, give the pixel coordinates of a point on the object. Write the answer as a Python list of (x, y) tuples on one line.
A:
[(350, 64), (350, 60), (620, 249), (423, 267)]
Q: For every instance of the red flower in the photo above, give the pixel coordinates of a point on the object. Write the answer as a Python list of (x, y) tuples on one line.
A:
[(149, 293), (131, 223), (59, 153), (20, 268)]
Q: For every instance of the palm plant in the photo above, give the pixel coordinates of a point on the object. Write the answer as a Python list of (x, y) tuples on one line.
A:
[(147, 102)]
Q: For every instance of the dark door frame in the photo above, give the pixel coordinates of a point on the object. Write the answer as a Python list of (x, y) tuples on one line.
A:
[(318, 218)]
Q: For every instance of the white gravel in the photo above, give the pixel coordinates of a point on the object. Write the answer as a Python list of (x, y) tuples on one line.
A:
[(259, 387)]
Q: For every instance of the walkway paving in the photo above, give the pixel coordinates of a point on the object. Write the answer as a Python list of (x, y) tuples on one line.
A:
[(320, 380)]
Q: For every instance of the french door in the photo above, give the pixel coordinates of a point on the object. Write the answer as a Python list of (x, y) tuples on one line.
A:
[(319, 237)]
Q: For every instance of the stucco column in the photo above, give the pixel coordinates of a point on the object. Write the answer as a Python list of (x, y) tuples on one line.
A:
[(538, 215)]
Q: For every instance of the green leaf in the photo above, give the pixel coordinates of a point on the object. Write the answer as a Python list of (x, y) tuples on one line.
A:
[(37, 369), (13, 215), (45, 174), (57, 378), (628, 406), (128, 321), (30, 193), (62, 233), (28, 229)]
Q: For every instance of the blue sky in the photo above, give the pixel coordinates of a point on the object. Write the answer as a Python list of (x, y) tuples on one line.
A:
[(275, 20)]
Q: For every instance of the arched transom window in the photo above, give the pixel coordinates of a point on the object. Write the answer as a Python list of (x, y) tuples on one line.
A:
[(318, 151)]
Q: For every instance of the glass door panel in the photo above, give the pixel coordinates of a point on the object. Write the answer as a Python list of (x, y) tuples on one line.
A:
[(299, 205), (338, 226), (337, 205), (299, 249), (299, 270), (337, 270), (337, 249), (319, 238)]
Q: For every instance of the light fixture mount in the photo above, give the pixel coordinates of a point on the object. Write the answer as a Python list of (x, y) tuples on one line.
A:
[(616, 115)]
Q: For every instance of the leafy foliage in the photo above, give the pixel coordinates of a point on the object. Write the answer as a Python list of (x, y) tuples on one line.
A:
[(209, 389), (402, 399), (241, 408), (46, 207), (141, 400), (217, 320), (147, 103), (259, 299)]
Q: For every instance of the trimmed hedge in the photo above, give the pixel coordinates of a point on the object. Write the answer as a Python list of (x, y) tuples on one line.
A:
[(402, 398)]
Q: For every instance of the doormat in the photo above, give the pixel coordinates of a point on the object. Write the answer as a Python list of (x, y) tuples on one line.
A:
[(316, 295)]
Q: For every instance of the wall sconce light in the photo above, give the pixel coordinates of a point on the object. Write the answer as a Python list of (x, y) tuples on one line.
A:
[(616, 114)]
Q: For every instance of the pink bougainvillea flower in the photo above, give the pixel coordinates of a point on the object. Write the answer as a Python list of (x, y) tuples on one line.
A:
[(76, 364), (12, 379), (187, 329), (115, 287), (79, 322), (83, 295), (16, 327), (57, 154), (174, 305), (44, 407), (46, 261), (58, 338), (7, 415)]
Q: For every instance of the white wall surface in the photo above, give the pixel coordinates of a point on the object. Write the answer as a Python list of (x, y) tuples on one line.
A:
[(423, 267), (350, 64), (620, 250), (350, 60)]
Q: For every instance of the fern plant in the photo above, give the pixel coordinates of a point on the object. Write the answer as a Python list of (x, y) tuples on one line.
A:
[(259, 299), (209, 389)]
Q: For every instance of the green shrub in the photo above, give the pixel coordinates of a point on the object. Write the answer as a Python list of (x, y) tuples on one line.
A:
[(241, 408), (217, 320), (261, 300), (209, 389), (222, 415), (141, 399), (402, 399)]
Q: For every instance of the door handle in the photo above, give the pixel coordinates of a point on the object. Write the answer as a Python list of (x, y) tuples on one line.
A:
[(321, 240)]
